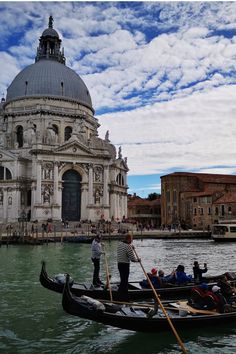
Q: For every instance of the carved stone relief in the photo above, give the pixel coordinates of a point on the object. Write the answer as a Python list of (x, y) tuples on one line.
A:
[(47, 170), (98, 193), (97, 171), (85, 167), (47, 192)]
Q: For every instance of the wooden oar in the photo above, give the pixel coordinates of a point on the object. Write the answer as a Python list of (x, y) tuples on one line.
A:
[(107, 274), (162, 307)]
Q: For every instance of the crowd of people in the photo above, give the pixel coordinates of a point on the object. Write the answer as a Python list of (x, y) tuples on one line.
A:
[(202, 296), (158, 278)]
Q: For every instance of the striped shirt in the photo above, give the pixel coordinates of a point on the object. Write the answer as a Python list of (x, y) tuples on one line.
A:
[(96, 249), (125, 253)]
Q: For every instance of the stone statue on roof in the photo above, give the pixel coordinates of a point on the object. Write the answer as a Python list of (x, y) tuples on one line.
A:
[(107, 136), (50, 22), (119, 153)]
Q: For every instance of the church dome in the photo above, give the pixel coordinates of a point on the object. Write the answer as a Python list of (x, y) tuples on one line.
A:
[(51, 79), (49, 76)]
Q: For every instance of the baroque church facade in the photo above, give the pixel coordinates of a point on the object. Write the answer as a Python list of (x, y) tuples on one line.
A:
[(53, 165)]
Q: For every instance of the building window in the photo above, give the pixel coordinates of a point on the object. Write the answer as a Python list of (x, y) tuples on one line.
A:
[(19, 136), (1, 197), (174, 197), (195, 211), (216, 211), (29, 198), (68, 132), (120, 180), (209, 211), (195, 200), (55, 128), (169, 210), (222, 210), (209, 200), (5, 173), (168, 196), (229, 209)]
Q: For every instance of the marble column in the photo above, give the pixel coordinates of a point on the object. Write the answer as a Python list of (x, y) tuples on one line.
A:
[(55, 185), (105, 186), (38, 184), (90, 183), (84, 201), (5, 205)]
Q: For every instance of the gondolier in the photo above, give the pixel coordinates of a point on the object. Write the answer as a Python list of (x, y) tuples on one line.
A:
[(96, 255), (125, 255)]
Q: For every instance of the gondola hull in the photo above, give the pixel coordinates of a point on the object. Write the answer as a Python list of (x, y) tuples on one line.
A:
[(135, 293), (136, 318)]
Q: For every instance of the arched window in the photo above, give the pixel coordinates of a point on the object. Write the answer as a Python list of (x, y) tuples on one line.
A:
[(55, 128), (5, 173), (68, 132), (120, 180), (19, 135)]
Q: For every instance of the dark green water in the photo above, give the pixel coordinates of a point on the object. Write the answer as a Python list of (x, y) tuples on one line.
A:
[(32, 319)]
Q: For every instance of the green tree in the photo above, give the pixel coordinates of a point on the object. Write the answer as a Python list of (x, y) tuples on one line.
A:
[(153, 196)]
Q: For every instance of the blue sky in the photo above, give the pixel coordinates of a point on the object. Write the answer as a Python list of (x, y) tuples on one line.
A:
[(162, 77)]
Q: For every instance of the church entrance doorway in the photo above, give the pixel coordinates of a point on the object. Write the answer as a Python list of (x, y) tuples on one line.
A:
[(71, 196)]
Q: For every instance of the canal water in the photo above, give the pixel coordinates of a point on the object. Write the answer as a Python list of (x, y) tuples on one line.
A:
[(32, 320)]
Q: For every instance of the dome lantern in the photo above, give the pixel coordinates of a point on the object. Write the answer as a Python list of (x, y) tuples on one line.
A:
[(50, 44)]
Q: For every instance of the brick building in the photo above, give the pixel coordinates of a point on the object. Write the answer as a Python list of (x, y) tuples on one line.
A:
[(144, 212), (197, 200)]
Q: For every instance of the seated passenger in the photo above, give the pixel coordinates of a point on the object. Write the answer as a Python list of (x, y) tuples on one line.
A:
[(215, 300), (165, 279), (198, 295), (197, 272), (156, 282), (181, 277), (227, 290)]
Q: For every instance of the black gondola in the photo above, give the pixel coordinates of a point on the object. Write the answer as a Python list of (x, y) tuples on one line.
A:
[(136, 317), (135, 292)]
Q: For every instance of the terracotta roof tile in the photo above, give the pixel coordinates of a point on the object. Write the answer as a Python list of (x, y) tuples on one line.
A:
[(229, 197), (141, 201), (207, 177)]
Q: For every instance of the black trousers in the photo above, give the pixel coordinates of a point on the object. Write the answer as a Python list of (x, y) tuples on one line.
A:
[(96, 263), (124, 281)]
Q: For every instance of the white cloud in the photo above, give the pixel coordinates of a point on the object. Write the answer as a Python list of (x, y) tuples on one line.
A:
[(9, 68), (189, 133)]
